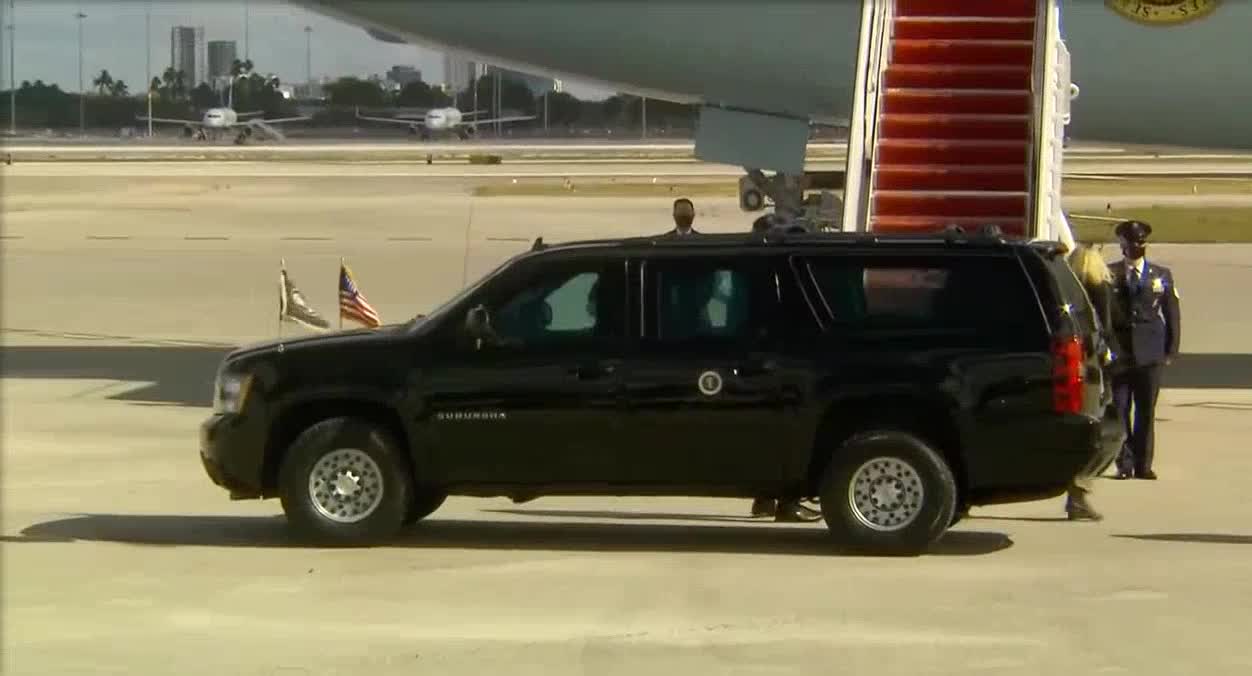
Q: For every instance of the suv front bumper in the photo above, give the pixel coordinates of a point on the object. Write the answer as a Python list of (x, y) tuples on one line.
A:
[(232, 450)]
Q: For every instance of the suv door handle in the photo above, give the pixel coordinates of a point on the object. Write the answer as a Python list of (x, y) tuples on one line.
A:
[(592, 371), (755, 367)]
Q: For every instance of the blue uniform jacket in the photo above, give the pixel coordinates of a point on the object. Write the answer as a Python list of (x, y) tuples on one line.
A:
[(1146, 320)]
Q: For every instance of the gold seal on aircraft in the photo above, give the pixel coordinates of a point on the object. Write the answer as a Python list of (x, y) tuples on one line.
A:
[(1162, 12)]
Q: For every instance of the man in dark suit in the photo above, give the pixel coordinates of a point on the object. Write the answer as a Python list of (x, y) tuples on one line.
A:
[(1147, 323), (684, 216)]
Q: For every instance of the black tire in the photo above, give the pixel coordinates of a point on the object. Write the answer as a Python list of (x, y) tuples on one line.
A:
[(386, 473), (913, 531), (423, 503)]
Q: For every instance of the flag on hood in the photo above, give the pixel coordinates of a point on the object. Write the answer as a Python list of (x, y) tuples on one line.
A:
[(293, 308)]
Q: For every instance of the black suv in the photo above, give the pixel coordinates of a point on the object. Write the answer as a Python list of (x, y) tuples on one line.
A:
[(898, 379)]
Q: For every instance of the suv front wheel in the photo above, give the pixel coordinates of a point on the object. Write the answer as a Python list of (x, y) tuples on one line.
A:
[(343, 482), (888, 492)]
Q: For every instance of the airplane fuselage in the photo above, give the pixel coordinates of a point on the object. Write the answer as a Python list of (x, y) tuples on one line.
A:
[(443, 119), (220, 118), (1183, 84)]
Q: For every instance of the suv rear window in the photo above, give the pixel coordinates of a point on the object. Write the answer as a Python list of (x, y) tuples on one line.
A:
[(1072, 293), (983, 298)]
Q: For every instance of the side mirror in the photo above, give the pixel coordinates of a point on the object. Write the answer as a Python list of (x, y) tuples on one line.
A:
[(478, 323)]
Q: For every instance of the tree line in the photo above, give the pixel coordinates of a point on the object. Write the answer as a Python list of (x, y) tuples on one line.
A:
[(112, 103)]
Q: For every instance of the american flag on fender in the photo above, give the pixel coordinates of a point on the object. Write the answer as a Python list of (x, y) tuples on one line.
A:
[(352, 305)]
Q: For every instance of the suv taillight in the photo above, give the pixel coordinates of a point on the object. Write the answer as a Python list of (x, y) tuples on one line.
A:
[(1067, 380)]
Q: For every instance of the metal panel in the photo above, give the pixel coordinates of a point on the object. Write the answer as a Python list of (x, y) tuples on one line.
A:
[(753, 140)]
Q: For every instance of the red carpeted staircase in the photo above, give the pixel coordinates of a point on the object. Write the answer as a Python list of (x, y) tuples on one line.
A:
[(954, 140)]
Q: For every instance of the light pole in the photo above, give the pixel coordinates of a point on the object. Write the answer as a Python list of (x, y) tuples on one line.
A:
[(308, 55), (245, 30), (82, 95), (12, 71), (645, 117), (477, 78), (147, 41)]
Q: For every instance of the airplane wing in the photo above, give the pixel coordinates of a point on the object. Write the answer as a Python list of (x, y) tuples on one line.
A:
[(280, 120), (517, 118), (392, 120), (251, 114), (166, 120)]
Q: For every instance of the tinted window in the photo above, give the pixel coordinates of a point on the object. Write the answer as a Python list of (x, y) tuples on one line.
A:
[(1072, 293), (562, 306), (975, 296), (695, 300)]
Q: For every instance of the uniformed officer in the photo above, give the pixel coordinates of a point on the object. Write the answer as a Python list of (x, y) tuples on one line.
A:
[(1147, 322)]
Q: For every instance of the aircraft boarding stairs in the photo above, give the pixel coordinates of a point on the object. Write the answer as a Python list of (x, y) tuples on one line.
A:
[(962, 119)]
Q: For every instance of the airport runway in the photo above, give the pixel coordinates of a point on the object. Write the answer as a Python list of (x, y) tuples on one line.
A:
[(120, 556)]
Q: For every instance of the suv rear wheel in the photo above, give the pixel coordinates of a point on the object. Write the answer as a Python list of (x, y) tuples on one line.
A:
[(888, 492), (343, 481)]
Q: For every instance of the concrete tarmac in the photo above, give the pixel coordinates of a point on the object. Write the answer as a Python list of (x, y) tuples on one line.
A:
[(120, 556)]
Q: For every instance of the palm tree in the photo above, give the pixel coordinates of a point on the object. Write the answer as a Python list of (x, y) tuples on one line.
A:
[(119, 89), (238, 67), (103, 81)]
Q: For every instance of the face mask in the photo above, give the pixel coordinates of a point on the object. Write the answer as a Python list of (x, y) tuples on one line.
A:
[(1134, 251), (684, 220)]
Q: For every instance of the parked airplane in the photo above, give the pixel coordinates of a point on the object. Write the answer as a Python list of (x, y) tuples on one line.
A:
[(217, 121), (439, 120), (1151, 71)]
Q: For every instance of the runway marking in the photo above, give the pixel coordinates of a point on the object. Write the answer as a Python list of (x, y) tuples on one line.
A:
[(408, 239), (307, 239), (508, 239), (12, 236), (108, 237), (197, 238)]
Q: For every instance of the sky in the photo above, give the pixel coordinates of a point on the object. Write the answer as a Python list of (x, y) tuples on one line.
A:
[(46, 42)]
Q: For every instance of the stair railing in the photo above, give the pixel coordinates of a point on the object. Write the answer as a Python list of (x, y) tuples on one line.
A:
[(872, 56), (1051, 89)]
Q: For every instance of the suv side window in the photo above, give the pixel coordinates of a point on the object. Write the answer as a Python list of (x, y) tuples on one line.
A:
[(978, 297), (568, 305), (700, 300)]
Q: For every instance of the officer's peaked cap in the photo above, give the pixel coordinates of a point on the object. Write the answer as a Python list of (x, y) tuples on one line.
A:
[(1134, 231)]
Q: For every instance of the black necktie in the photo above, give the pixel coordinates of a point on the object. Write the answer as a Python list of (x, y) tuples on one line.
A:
[(1134, 278)]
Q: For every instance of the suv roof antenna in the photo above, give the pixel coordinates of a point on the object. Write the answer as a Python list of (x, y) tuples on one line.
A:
[(538, 245)]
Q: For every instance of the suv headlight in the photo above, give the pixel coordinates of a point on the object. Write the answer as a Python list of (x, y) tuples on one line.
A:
[(230, 392)]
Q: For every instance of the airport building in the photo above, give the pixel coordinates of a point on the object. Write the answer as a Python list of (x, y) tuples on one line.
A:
[(188, 53), (404, 75), (458, 73), (222, 53)]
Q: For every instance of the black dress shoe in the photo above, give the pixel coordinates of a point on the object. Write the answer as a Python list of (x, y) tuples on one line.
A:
[(1147, 475), (795, 513), (762, 507), (1122, 476)]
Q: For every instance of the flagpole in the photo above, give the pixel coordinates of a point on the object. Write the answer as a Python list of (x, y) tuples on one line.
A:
[(282, 294), (469, 221), (337, 288)]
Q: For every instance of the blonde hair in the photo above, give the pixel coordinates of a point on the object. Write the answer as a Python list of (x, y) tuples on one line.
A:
[(1089, 266)]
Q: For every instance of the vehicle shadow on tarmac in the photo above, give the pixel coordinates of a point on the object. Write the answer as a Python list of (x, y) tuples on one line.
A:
[(182, 375), (271, 532), (1197, 538)]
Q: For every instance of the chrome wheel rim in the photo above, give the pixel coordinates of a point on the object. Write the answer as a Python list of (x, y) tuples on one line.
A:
[(886, 494), (346, 485)]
